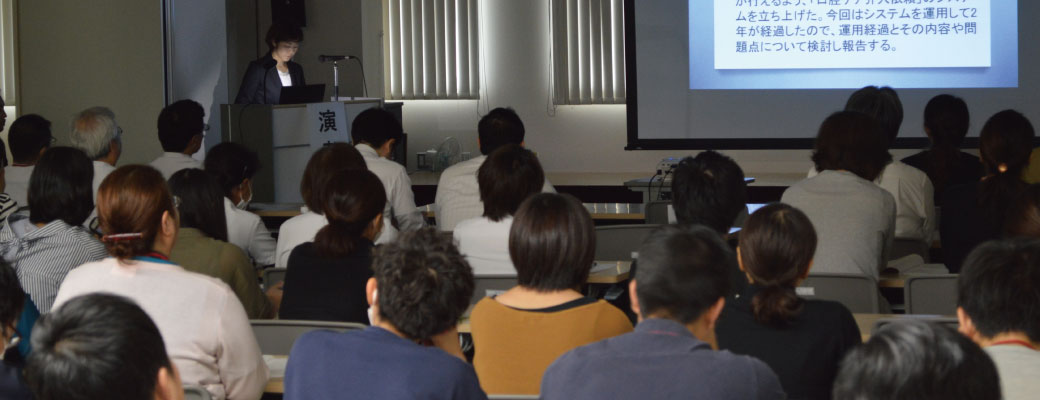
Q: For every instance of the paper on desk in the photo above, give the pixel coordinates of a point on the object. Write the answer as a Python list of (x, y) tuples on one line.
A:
[(276, 365), (601, 267)]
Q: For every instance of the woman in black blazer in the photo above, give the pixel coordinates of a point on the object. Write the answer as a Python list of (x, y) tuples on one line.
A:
[(266, 76)]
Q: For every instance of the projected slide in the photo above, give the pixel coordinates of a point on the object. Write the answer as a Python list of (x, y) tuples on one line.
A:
[(825, 44)]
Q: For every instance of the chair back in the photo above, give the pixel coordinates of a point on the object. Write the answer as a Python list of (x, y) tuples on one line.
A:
[(950, 322), (859, 293), (196, 393), (276, 336), (656, 212), (931, 294), (618, 242), (488, 285), (272, 276)]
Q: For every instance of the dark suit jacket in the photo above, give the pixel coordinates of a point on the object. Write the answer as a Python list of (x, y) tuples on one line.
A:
[(261, 84)]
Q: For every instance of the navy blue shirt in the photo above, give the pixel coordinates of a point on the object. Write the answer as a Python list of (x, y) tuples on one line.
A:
[(12, 386), (661, 359), (375, 364)]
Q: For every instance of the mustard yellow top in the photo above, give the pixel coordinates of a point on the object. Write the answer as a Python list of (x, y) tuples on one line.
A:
[(514, 347)]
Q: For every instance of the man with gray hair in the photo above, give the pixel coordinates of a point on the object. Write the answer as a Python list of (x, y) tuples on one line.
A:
[(96, 132)]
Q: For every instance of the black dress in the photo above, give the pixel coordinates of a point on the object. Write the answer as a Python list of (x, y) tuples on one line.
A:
[(804, 355), (965, 224), (261, 84), (968, 169), (327, 289)]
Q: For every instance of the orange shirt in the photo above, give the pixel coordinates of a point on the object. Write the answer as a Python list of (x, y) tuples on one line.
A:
[(514, 347)]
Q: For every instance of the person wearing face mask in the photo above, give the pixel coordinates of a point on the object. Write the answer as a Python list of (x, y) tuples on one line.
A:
[(13, 302), (234, 167), (265, 77)]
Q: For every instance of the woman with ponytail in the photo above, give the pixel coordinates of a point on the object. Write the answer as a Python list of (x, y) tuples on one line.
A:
[(801, 340), (326, 278), (946, 122), (974, 213), (204, 326)]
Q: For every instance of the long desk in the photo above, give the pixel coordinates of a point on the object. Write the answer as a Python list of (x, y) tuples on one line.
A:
[(599, 211)]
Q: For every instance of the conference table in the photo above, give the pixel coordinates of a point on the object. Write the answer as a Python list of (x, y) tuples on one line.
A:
[(599, 211)]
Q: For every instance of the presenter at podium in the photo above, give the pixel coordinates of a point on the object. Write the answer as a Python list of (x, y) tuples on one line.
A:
[(266, 76)]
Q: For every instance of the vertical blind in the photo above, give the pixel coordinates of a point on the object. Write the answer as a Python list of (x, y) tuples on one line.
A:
[(431, 49), (588, 51), (7, 52)]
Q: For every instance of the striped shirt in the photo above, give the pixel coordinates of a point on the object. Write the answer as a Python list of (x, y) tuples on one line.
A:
[(42, 257)]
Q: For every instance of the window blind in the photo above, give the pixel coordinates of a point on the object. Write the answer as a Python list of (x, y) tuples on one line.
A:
[(588, 51), (431, 49)]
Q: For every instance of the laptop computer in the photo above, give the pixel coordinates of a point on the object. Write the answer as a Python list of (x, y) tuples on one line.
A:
[(302, 94)]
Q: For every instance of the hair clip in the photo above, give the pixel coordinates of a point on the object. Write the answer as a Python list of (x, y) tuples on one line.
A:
[(121, 236)]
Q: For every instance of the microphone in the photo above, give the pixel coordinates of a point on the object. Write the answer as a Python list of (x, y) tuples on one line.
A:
[(324, 58)]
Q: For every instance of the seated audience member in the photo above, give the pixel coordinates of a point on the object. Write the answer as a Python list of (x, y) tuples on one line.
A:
[(946, 123), (204, 326), (234, 167), (7, 204), (510, 175), (48, 243), (327, 277), (12, 301), (201, 244), (974, 213), (517, 334), (1023, 218), (917, 360), (101, 346), (302, 228), (998, 299), (458, 192), (678, 293), (420, 288), (29, 137), (375, 132), (854, 219), (801, 340), (181, 129), (96, 133)]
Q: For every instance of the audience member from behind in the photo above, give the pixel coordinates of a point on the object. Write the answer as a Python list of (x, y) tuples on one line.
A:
[(946, 123), (458, 192), (96, 133), (917, 360), (302, 228), (375, 132), (204, 326), (234, 166), (101, 346), (420, 288), (678, 293), (48, 243), (974, 213), (909, 186), (29, 137), (12, 301), (517, 334), (998, 299), (801, 340), (201, 244), (7, 204), (181, 129), (854, 219), (1023, 218), (327, 277), (510, 175)]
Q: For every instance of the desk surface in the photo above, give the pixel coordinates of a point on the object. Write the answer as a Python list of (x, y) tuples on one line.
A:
[(429, 178), (599, 211)]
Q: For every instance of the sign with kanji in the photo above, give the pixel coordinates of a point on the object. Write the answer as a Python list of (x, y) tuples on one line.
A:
[(327, 123)]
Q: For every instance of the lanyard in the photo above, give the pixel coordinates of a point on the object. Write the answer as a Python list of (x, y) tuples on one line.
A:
[(1016, 342)]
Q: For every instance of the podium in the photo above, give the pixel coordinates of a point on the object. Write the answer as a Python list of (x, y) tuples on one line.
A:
[(284, 137)]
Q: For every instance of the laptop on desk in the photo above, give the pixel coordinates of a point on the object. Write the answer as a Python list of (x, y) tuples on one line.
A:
[(302, 94)]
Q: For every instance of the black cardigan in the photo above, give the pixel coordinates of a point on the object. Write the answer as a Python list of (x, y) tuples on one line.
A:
[(327, 289), (261, 84)]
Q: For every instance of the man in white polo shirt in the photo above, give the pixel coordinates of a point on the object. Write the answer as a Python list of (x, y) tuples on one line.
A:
[(181, 128), (375, 132)]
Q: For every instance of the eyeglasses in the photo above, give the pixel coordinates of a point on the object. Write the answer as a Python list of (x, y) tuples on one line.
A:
[(176, 202), (205, 127), (119, 132), (53, 140)]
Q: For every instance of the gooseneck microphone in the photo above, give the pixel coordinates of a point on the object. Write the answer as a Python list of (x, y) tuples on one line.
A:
[(326, 58)]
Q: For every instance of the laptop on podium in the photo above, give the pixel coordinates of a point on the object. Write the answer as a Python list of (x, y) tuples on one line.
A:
[(302, 94)]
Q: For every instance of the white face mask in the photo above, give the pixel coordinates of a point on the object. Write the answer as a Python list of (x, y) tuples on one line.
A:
[(371, 314), (244, 202)]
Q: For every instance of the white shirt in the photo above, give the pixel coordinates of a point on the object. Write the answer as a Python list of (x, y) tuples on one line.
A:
[(485, 244), (17, 179), (400, 202), (204, 326), (915, 202), (101, 170), (1018, 367), (302, 229), (286, 79), (169, 163), (247, 231), (458, 194)]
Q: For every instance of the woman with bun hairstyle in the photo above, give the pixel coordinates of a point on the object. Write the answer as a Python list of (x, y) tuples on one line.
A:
[(801, 340), (203, 325)]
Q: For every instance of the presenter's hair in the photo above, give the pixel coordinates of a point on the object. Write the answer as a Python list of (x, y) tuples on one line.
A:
[(709, 189), (131, 202), (777, 244), (425, 285), (946, 118), (93, 131), (510, 175), (999, 287), (1023, 219), (178, 123), (61, 187), (499, 127), (28, 135), (352, 200), (231, 164), (883, 105), (96, 346), (913, 359), (683, 271), (201, 202), (375, 126), (282, 32), (851, 141), (12, 298), (552, 243), (327, 161)]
